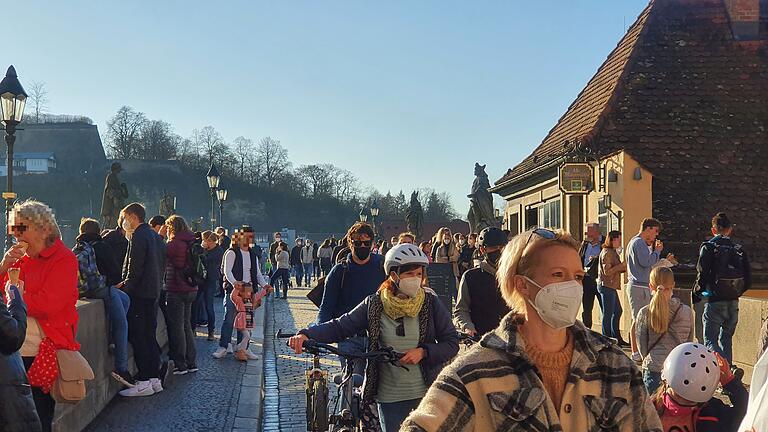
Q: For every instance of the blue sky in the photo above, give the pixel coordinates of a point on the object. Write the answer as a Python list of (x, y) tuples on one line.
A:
[(404, 94)]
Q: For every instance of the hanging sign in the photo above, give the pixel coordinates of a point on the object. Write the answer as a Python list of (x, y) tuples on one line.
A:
[(576, 178)]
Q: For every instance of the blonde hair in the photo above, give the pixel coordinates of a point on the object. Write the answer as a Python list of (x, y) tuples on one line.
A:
[(40, 215), (210, 236), (519, 258), (662, 280)]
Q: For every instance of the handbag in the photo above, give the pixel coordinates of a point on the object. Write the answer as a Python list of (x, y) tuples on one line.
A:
[(74, 370)]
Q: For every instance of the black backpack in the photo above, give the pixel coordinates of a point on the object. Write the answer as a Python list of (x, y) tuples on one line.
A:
[(194, 266), (728, 270)]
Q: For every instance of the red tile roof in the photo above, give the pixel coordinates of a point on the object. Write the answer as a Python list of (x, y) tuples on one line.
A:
[(690, 103)]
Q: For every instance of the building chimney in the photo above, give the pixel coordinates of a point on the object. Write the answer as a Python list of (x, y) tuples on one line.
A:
[(745, 18)]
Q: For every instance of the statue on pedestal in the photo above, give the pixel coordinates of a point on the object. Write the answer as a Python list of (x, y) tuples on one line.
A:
[(113, 200), (167, 204), (481, 213), (414, 217)]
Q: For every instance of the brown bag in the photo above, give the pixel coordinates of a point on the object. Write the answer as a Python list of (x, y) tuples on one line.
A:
[(74, 370)]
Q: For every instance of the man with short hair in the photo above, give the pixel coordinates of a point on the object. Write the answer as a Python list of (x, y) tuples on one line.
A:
[(723, 275), (278, 238), (141, 281), (298, 268), (224, 240), (157, 223), (394, 241), (405, 237), (590, 257), (643, 252), (349, 282), (307, 262)]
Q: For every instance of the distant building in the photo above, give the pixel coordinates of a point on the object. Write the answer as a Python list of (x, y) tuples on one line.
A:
[(29, 163)]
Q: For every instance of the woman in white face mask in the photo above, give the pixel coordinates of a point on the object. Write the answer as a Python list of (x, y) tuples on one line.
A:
[(406, 316), (540, 369)]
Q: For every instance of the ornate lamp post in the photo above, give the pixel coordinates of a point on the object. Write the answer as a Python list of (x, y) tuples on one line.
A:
[(364, 214), (213, 178), (374, 214), (222, 195), (12, 100)]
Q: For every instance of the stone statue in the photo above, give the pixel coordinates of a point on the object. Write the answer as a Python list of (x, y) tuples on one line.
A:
[(167, 204), (113, 200), (414, 217), (481, 213)]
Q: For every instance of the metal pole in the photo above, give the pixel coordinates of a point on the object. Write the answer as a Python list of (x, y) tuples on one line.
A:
[(213, 208), (10, 138), (221, 213)]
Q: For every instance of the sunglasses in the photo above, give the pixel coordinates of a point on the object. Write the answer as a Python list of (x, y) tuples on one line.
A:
[(400, 329), (541, 232), (20, 228), (362, 243)]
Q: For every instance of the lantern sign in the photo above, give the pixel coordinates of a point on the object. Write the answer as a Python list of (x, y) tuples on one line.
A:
[(576, 178)]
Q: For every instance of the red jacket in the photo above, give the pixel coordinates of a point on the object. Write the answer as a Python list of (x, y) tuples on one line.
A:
[(176, 254), (50, 291)]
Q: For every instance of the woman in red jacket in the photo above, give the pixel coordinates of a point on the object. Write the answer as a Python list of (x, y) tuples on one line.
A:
[(48, 282)]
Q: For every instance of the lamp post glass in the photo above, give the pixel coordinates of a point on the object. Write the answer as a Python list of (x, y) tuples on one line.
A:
[(13, 98), (222, 196), (213, 178), (364, 215)]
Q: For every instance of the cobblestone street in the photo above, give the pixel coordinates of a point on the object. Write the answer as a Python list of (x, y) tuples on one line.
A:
[(285, 400)]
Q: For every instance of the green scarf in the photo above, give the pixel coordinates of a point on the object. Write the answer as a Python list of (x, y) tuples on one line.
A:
[(396, 307)]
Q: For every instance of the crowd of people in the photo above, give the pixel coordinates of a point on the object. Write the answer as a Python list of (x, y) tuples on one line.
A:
[(535, 366)]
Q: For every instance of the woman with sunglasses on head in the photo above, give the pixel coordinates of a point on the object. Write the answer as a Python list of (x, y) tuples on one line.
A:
[(540, 369), (406, 317)]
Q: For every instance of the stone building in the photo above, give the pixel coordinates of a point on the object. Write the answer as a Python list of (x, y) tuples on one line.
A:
[(678, 117)]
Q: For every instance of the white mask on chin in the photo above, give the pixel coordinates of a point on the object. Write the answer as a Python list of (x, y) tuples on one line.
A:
[(558, 303)]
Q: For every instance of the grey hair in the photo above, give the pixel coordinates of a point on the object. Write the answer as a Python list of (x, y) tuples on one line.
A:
[(592, 224), (41, 216)]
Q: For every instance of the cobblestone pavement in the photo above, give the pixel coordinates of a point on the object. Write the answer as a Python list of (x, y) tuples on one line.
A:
[(202, 401), (285, 400)]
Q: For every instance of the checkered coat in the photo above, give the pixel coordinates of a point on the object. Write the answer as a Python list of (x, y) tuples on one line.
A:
[(496, 387)]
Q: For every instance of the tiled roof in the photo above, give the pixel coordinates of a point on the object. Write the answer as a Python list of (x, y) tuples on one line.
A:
[(691, 105)]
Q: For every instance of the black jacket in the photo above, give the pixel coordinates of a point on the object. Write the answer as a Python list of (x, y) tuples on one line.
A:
[(141, 271), (106, 261), (17, 409), (296, 255), (116, 239), (213, 262), (707, 272)]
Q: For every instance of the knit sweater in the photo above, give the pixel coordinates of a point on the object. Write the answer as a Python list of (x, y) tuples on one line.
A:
[(554, 367)]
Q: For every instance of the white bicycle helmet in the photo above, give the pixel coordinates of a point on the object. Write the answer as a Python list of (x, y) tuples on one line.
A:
[(692, 372), (404, 254)]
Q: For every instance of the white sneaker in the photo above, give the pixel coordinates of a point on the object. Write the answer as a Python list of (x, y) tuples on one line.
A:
[(636, 357), (157, 385), (220, 352), (251, 355), (143, 388), (230, 348)]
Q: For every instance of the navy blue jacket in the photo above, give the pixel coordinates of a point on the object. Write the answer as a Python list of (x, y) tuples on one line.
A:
[(716, 416), (360, 281), (436, 332), (141, 270)]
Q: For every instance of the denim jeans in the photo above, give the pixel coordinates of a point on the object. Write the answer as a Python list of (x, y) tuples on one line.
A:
[(308, 269), (393, 414), (611, 311), (282, 275), (180, 308), (652, 381), (117, 311), (298, 271), (210, 290), (355, 344), (228, 323), (720, 319)]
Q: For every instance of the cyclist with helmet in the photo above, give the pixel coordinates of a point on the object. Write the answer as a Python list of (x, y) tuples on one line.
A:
[(685, 399), (480, 306), (403, 315)]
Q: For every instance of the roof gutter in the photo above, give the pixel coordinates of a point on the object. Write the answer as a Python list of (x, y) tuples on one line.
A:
[(527, 174)]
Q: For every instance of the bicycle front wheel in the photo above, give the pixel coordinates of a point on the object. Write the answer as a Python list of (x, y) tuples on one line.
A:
[(320, 405)]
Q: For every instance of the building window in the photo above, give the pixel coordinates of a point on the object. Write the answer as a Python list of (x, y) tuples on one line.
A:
[(608, 221), (549, 214)]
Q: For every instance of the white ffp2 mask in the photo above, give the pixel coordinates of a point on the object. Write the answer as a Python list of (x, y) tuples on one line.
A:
[(409, 286), (558, 303)]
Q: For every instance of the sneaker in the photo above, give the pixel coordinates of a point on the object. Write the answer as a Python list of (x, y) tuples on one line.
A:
[(179, 371), (636, 357), (241, 355), (124, 378), (157, 385), (250, 355), (142, 388), (220, 352), (193, 369), (230, 348), (211, 336)]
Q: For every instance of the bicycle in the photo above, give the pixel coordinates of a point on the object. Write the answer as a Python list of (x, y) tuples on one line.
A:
[(346, 403)]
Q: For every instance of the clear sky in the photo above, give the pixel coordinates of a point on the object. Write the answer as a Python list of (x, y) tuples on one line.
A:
[(404, 94)]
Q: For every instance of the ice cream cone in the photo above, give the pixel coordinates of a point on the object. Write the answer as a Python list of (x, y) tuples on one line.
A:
[(13, 275)]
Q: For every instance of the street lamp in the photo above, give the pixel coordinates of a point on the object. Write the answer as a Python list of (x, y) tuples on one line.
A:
[(222, 195), (364, 214), (374, 213), (12, 100), (213, 178)]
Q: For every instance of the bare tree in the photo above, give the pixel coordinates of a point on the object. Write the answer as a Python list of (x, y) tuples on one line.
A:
[(272, 159), (157, 141), (210, 143), (124, 131), (346, 186), (38, 98), (243, 152), (318, 178)]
